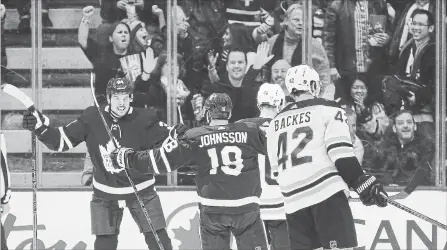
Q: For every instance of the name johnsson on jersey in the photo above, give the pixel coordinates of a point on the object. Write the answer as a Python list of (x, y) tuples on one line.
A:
[(224, 137)]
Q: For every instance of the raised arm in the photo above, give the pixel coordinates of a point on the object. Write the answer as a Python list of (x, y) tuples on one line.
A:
[(58, 139), (84, 26)]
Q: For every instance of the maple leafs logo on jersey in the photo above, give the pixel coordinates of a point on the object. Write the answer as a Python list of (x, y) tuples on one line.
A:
[(105, 154)]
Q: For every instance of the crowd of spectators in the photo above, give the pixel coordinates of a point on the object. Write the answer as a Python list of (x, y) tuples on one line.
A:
[(375, 57)]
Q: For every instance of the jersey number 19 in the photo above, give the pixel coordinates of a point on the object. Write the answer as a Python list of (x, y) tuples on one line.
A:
[(225, 153)]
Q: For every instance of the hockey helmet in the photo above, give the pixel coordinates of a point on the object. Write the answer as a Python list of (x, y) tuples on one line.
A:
[(271, 94), (119, 86), (218, 106), (303, 78)]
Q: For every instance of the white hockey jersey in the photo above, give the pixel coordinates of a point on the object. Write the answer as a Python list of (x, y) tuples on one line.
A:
[(272, 201), (303, 142)]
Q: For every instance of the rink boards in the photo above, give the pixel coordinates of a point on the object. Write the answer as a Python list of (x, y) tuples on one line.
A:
[(64, 222)]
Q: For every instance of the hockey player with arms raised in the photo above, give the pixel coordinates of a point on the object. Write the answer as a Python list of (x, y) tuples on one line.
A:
[(271, 99), (225, 159), (130, 127), (309, 143)]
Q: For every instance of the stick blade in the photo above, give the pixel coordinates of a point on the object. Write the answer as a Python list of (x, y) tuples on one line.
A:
[(18, 94), (417, 179)]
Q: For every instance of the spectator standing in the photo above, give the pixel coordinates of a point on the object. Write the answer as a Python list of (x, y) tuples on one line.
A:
[(237, 35), (287, 45), (112, 60), (417, 63), (402, 32), (240, 86), (279, 71), (318, 9), (355, 35)]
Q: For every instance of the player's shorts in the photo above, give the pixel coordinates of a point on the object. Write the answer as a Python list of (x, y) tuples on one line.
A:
[(247, 228), (277, 234), (328, 224), (106, 215)]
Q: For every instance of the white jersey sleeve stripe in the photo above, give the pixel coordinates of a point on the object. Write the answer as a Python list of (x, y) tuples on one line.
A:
[(165, 160), (154, 163), (64, 136), (341, 152), (338, 139), (61, 143)]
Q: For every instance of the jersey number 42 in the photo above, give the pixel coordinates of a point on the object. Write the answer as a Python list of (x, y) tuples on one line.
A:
[(283, 143)]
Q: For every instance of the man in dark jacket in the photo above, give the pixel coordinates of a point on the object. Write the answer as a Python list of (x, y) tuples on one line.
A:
[(417, 63), (402, 32), (405, 150), (240, 86)]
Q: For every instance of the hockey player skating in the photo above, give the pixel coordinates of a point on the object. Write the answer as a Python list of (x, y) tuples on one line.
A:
[(224, 157), (309, 143), (271, 99), (131, 127)]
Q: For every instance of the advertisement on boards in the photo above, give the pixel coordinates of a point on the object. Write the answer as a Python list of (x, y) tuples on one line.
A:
[(64, 222)]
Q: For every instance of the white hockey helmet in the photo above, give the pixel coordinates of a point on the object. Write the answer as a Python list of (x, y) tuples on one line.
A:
[(271, 94), (303, 78)]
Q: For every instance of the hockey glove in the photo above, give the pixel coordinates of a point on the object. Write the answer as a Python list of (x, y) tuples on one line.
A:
[(120, 157), (35, 121), (178, 131), (370, 191)]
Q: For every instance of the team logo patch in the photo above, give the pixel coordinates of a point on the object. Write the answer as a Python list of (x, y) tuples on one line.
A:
[(105, 154)]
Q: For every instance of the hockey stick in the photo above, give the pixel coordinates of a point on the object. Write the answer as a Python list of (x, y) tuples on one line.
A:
[(92, 87), (415, 213), (29, 104), (412, 185)]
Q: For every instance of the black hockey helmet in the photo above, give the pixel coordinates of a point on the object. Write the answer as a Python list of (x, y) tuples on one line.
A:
[(218, 106), (119, 85)]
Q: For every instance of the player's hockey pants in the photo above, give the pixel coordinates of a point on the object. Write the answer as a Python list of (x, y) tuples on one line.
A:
[(110, 242), (247, 228), (106, 218)]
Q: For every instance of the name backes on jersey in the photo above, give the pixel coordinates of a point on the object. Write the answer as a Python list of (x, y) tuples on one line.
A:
[(290, 120), (223, 137)]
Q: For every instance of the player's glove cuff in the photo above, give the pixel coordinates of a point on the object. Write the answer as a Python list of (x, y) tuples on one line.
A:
[(363, 187), (121, 157)]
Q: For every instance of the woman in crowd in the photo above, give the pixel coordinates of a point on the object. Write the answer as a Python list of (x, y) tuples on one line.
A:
[(372, 121)]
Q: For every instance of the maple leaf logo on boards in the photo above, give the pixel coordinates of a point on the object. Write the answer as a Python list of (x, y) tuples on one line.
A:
[(189, 239)]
